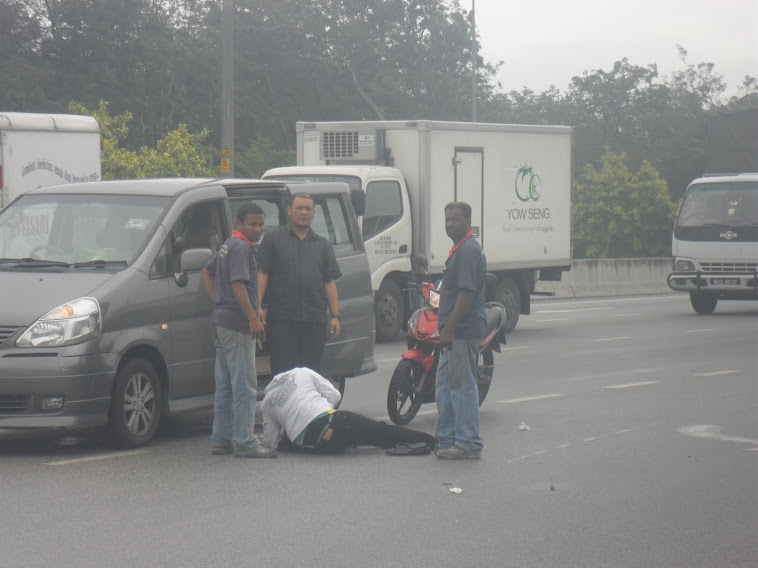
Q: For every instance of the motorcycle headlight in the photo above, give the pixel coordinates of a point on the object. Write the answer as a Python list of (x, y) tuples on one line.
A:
[(67, 324), (413, 320), (434, 299)]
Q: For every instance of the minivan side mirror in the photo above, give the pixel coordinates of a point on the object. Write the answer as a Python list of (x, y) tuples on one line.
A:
[(191, 259), (358, 199)]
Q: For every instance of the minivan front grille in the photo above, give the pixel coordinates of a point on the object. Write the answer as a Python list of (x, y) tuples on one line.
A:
[(342, 144), (715, 266), (5, 333), (15, 403)]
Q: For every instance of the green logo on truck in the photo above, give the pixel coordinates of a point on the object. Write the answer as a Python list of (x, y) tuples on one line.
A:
[(527, 183)]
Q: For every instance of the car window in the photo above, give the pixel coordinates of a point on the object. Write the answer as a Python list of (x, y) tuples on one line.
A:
[(384, 207), (330, 222)]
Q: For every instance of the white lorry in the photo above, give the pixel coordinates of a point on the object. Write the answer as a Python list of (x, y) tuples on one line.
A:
[(715, 241), (516, 178), (37, 150)]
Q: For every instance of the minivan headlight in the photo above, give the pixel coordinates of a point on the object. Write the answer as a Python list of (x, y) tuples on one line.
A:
[(70, 323)]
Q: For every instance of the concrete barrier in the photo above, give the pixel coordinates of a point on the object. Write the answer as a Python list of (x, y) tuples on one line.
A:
[(611, 277)]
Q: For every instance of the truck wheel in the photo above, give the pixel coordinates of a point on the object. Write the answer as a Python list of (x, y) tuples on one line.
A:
[(136, 405), (703, 303), (508, 294), (388, 309)]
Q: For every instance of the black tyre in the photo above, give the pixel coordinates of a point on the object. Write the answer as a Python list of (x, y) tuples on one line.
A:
[(136, 405), (703, 303), (484, 373), (388, 309), (508, 294), (339, 384), (403, 402)]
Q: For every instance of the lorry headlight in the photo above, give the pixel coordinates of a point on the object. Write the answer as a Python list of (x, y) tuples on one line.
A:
[(67, 324), (683, 265)]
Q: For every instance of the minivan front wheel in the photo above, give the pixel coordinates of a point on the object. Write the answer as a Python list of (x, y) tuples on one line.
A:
[(135, 411)]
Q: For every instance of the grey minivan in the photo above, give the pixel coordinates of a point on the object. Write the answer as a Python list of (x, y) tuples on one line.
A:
[(104, 320)]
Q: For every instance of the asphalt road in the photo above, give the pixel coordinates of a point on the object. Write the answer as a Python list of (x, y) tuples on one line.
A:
[(642, 452)]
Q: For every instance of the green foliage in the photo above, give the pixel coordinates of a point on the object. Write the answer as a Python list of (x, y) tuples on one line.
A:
[(179, 154), (260, 156), (618, 214)]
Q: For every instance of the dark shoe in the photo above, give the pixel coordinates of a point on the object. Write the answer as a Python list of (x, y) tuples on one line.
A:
[(222, 450), (259, 451), (457, 453), (415, 449)]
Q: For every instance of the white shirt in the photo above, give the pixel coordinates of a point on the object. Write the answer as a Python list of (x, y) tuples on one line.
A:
[(292, 401)]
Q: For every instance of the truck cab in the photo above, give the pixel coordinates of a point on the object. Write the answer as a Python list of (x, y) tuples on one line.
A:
[(715, 241)]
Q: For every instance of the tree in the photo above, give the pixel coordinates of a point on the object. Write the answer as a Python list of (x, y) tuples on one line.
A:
[(619, 214)]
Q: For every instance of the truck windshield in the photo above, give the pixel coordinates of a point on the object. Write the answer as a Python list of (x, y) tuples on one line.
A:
[(733, 204), (352, 181), (79, 229)]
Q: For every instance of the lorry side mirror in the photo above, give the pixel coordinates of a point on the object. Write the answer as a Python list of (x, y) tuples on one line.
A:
[(420, 260), (358, 199)]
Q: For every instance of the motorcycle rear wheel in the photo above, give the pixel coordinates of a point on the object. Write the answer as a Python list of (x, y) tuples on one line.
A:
[(484, 374), (403, 402)]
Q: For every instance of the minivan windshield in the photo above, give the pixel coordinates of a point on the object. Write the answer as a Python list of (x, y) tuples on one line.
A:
[(78, 230), (727, 204)]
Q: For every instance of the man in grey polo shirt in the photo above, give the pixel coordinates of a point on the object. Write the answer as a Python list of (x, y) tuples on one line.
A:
[(296, 278), (230, 278)]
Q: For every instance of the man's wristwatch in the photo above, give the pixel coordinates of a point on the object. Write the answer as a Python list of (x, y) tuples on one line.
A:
[(336, 316)]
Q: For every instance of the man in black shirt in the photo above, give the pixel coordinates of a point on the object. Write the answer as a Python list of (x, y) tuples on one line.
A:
[(297, 270)]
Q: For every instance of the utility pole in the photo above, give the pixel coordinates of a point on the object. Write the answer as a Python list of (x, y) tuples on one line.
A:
[(473, 61), (227, 89)]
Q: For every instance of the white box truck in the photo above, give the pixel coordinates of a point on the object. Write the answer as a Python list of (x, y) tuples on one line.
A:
[(516, 178), (37, 150)]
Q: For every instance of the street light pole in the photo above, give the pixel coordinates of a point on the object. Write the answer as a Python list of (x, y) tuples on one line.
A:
[(473, 61), (227, 89)]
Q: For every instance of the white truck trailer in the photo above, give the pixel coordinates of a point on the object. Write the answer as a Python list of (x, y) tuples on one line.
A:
[(37, 150), (516, 178)]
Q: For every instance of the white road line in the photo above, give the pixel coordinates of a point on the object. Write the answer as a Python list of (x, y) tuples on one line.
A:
[(530, 398), (514, 348), (631, 385), (527, 456), (627, 315), (420, 413), (99, 458), (570, 311), (713, 432), (612, 338), (646, 298), (719, 373), (552, 319), (622, 431), (701, 330), (589, 439)]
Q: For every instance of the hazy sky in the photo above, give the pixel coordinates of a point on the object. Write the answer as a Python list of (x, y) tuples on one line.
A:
[(544, 42)]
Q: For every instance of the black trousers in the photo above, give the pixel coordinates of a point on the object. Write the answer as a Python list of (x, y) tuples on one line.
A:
[(351, 429), (295, 344)]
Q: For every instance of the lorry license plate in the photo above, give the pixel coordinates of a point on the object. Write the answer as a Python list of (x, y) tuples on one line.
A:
[(725, 281)]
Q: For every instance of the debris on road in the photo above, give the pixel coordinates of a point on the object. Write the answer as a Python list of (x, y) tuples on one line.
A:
[(524, 427), (456, 490)]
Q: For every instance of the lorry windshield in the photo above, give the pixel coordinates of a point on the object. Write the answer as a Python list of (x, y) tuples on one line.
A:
[(75, 229), (733, 204), (352, 181)]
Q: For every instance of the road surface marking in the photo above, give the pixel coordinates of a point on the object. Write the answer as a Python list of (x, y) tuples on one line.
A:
[(631, 385), (701, 330), (589, 439), (420, 413), (616, 300), (527, 456), (99, 458), (611, 338), (713, 432), (570, 311), (552, 319), (562, 446), (622, 431), (514, 348), (627, 315), (530, 398), (718, 373)]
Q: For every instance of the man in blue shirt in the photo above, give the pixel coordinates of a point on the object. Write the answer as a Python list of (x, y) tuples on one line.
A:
[(462, 325), (231, 280)]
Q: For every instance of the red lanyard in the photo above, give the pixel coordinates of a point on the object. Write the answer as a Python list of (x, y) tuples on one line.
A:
[(455, 248), (241, 235)]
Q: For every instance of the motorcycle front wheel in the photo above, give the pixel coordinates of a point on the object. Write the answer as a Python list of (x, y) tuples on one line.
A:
[(403, 402), (484, 373)]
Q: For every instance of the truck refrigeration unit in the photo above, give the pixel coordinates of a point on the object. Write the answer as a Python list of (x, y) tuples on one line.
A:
[(516, 178)]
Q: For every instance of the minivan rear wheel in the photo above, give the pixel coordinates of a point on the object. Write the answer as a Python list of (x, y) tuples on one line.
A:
[(136, 405)]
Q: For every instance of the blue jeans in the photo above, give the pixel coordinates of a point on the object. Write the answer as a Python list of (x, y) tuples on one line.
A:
[(457, 396), (236, 385)]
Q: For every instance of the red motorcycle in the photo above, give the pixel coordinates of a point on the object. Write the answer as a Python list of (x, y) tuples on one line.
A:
[(413, 382)]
